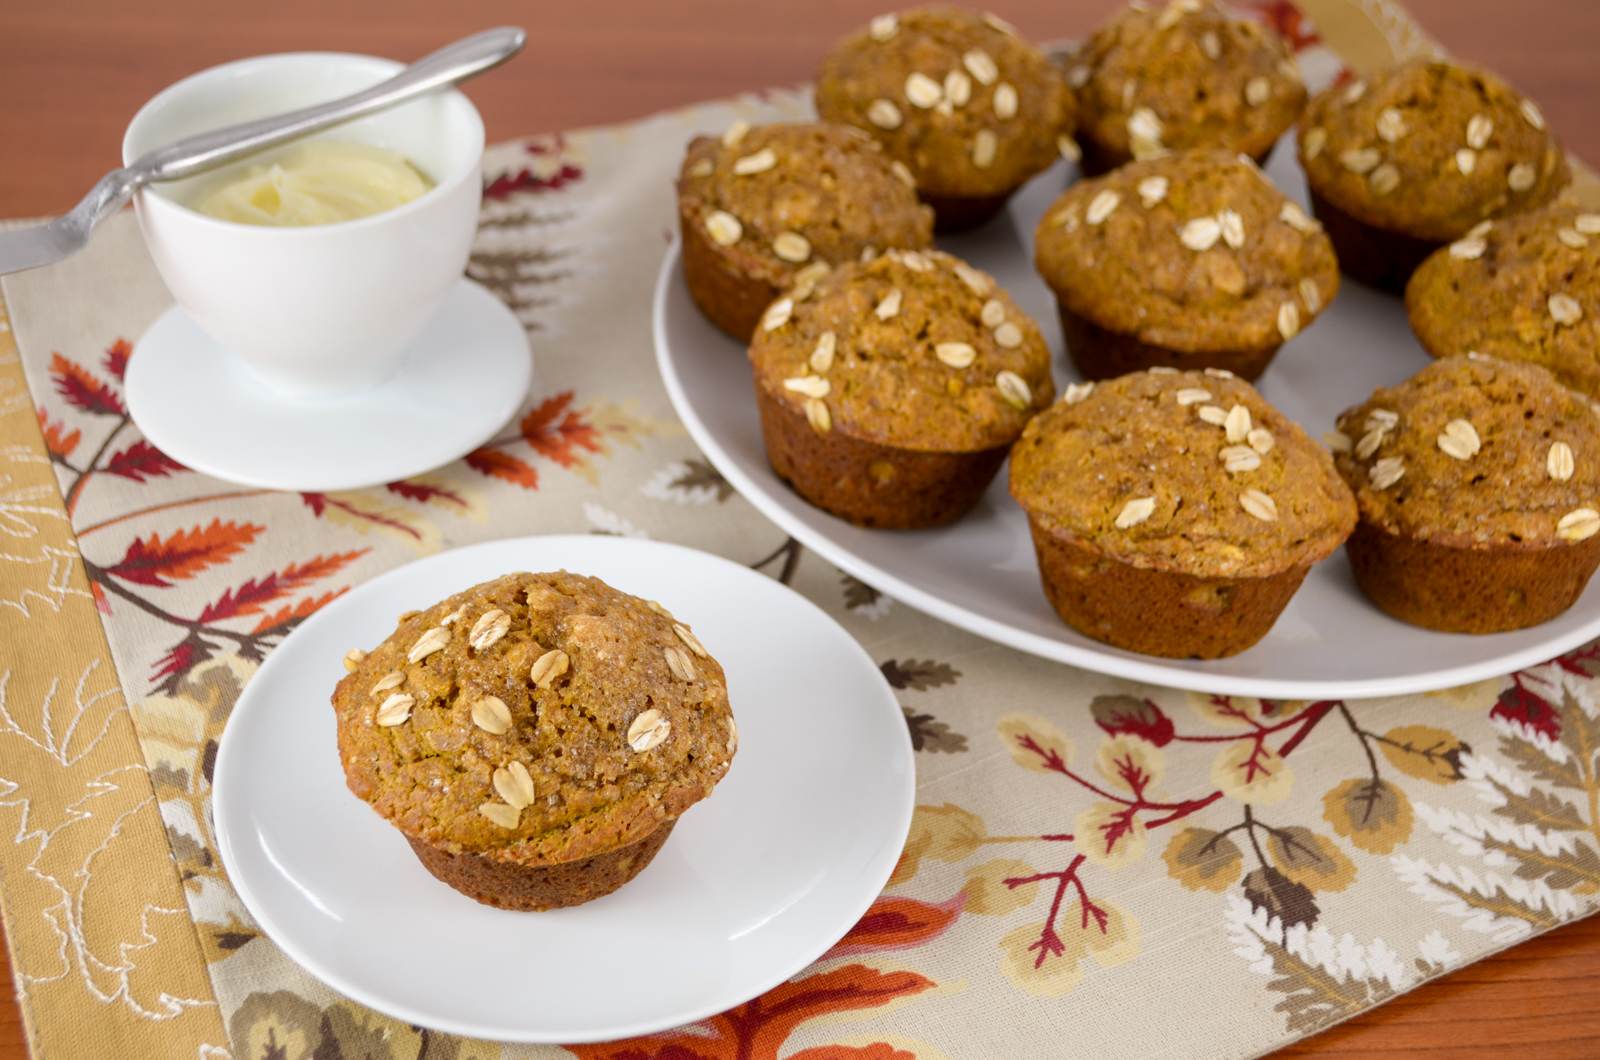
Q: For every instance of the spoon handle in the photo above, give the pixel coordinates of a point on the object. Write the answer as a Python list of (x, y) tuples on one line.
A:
[(208, 150)]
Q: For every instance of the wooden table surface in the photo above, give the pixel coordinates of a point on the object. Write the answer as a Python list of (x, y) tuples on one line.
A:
[(72, 74)]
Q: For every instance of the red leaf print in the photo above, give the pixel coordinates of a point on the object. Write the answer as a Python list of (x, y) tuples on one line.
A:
[(1523, 706), (288, 616), (81, 389), (1135, 717), (875, 1051), (501, 465), (117, 355), (526, 180), (1290, 23), (141, 460), (895, 923), (156, 562), (554, 430), (425, 492), (757, 1029), (255, 594), (101, 603), (57, 442)]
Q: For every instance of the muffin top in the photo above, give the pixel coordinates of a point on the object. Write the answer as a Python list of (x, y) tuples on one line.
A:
[(1526, 288), (1429, 149), (1194, 252), (958, 97), (535, 719), (1185, 76), (1473, 452), (913, 349), (1191, 472), (780, 198)]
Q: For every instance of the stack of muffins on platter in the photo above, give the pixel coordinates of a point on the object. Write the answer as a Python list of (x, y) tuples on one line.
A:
[(893, 380)]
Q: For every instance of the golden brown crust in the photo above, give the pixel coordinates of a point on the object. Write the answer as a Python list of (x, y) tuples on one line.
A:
[(867, 483), (963, 144), (1157, 612), (530, 888), (548, 675), (1428, 149), (1500, 292), (1140, 470), (1191, 253), (1467, 590), (1179, 77), (913, 361), (1489, 484)]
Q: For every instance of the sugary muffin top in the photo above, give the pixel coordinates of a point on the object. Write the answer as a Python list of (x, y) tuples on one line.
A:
[(1185, 76), (1526, 289), (958, 97), (1429, 149), (1190, 472), (1193, 252), (1476, 451), (536, 718), (777, 199), (914, 349)]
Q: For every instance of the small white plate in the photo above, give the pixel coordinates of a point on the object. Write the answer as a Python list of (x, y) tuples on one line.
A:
[(755, 883), (980, 573), (464, 376)]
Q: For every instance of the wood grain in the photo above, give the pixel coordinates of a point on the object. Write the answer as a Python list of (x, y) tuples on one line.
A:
[(72, 74)]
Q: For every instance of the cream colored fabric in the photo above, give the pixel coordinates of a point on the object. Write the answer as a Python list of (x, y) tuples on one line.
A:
[(1238, 874)]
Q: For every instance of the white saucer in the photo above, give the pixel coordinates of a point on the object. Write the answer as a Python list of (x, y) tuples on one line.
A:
[(463, 377), (980, 573), (755, 883)]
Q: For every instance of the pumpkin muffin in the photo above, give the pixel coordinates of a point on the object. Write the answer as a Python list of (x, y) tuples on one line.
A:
[(1175, 513), (1181, 77), (1525, 289), (1478, 481), (1190, 260), (890, 396), (971, 108), (535, 737), (1418, 155), (763, 208)]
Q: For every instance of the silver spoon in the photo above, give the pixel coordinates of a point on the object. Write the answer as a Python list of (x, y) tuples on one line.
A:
[(48, 243)]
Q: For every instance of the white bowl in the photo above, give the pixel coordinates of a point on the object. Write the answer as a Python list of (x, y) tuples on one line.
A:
[(321, 310)]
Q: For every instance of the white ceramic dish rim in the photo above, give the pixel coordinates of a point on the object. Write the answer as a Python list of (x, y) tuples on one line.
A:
[(329, 614), (1153, 670), (380, 67)]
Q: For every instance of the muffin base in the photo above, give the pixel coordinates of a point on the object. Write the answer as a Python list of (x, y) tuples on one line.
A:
[(530, 888), (1097, 160), (867, 483), (1468, 590), (1165, 613), (1100, 353), (729, 299), (957, 213), (1375, 256)]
